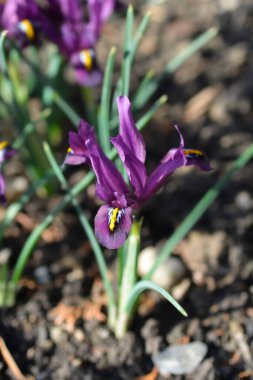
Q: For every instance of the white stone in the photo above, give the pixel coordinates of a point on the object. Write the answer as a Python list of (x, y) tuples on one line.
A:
[(180, 359), (167, 274)]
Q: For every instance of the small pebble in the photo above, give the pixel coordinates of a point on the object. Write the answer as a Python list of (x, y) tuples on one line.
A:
[(57, 335), (180, 359), (42, 274), (168, 274)]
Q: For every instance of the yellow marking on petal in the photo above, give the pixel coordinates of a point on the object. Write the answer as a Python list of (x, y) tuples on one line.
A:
[(193, 152), (69, 150), (86, 59), (113, 219), (3, 144), (27, 28)]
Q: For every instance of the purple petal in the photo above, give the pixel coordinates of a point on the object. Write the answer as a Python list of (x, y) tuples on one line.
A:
[(135, 168), (128, 130), (99, 11), (2, 189), (109, 179), (163, 171), (86, 70), (75, 159), (197, 158), (71, 9), (171, 153), (88, 78), (78, 152), (116, 238)]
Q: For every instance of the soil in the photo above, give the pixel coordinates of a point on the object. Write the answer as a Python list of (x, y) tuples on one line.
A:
[(57, 329)]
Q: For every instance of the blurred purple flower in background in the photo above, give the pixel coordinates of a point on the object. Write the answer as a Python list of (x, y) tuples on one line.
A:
[(6, 151), (63, 23), (24, 21), (114, 219)]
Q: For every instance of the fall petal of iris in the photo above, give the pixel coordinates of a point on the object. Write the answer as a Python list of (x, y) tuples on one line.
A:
[(112, 240)]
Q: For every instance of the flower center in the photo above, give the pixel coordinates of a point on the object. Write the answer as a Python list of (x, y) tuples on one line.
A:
[(86, 58), (114, 217), (27, 28)]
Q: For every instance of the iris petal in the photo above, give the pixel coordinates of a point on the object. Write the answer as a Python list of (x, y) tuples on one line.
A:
[(78, 152), (116, 238), (128, 130), (163, 171), (2, 189), (135, 168), (88, 78), (197, 158)]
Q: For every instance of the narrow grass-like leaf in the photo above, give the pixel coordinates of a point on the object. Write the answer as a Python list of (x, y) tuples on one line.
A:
[(3, 272), (88, 230), (200, 208), (45, 82), (149, 76), (65, 107), (30, 128), (149, 87), (144, 285), (139, 35), (129, 56), (126, 68), (89, 105), (3, 64), (104, 112)]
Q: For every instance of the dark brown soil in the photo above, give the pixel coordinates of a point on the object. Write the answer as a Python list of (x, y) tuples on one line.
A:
[(210, 97)]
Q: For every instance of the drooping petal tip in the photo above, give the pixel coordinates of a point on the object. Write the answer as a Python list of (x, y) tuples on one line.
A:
[(197, 158)]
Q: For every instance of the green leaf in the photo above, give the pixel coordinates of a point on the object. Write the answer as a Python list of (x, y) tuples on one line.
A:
[(126, 67), (149, 85), (144, 285), (139, 35), (104, 114), (3, 64), (64, 106)]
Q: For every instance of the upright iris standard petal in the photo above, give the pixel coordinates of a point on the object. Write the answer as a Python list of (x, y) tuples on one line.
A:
[(128, 130), (113, 225), (109, 179), (135, 168), (99, 11)]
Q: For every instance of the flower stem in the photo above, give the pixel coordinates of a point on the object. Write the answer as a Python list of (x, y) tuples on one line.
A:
[(128, 279)]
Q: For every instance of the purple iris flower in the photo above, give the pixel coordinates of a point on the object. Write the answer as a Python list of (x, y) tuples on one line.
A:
[(24, 20), (114, 218), (63, 23), (6, 151), (76, 38)]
